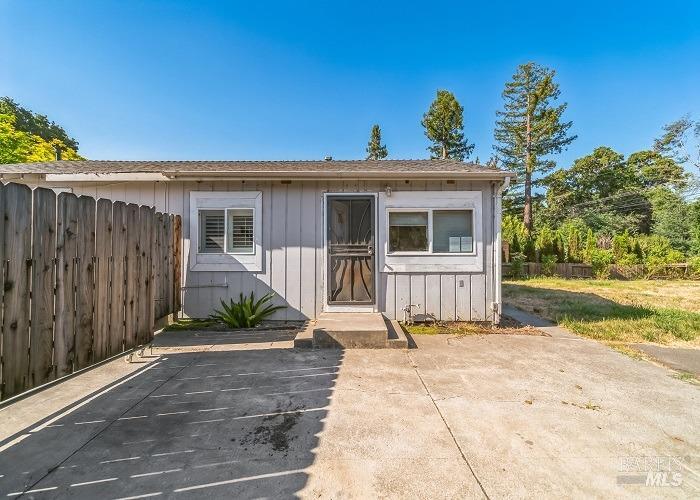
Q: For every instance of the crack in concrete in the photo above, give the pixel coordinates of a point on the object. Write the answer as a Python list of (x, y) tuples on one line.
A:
[(444, 421)]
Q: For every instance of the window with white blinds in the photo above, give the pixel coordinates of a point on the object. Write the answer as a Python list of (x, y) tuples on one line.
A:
[(227, 231), (240, 230), (212, 230)]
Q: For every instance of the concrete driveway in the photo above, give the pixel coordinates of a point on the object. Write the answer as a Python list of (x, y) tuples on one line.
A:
[(245, 415)]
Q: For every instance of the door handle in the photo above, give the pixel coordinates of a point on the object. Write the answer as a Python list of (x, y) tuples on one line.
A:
[(370, 250)]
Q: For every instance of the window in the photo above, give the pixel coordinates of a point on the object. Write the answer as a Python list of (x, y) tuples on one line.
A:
[(240, 231), (233, 226), (431, 231), (408, 231), (226, 231), (452, 231), (212, 228)]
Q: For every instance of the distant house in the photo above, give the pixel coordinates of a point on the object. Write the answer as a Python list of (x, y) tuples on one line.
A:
[(375, 236)]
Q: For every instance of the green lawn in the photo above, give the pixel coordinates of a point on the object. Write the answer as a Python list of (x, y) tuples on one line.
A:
[(619, 311)]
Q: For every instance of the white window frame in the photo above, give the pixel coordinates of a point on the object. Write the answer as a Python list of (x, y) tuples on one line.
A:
[(429, 211), (226, 261), (427, 261)]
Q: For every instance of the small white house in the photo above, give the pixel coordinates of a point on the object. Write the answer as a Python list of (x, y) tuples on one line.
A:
[(365, 236)]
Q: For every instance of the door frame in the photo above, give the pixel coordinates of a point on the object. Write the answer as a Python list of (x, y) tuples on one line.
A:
[(324, 279)]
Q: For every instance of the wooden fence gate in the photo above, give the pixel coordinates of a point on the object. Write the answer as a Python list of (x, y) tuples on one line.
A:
[(80, 281)]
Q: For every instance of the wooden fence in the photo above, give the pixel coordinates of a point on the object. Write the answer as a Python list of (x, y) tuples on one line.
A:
[(80, 281), (565, 270)]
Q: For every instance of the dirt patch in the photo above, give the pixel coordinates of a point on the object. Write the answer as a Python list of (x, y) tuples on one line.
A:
[(275, 430)]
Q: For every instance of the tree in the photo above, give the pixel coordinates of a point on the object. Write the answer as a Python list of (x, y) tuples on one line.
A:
[(675, 141), (17, 146), (375, 149), (530, 128), (36, 124), (444, 126)]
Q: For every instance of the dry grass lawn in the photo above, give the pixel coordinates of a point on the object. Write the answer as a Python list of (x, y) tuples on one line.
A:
[(666, 312)]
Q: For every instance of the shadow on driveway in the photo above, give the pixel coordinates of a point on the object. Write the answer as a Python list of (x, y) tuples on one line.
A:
[(238, 422)]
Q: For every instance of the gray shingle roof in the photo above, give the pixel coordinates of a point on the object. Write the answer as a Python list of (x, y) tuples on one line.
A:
[(302, 168)]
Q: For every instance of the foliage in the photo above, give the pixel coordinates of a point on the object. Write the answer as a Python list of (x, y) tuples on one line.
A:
[(517, 265), (530, 128), (375, 149), (444, 127), (247, 312), (600, 261), (675, 142), (671, 218), (17, 146), (549, 265), (36, 124)]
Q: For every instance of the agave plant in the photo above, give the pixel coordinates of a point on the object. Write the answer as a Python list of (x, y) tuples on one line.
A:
[(247, 312)]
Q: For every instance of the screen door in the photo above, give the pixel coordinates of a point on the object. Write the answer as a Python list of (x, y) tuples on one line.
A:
[(350, 244)]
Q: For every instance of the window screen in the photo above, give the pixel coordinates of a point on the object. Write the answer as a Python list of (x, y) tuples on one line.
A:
[(211, 231), (240, 230), (408, 231), (452, 231)]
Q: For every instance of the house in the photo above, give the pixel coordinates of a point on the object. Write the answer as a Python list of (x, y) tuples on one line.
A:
[(383, 236)]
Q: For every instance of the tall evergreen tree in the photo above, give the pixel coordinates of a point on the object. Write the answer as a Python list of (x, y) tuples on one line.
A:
[(530, 128), (375, 149), (444, 126)]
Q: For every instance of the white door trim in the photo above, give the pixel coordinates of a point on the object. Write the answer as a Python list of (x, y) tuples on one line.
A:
[(324, 287)]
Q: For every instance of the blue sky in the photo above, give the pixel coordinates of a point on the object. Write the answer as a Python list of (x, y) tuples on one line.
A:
[(301, 80)]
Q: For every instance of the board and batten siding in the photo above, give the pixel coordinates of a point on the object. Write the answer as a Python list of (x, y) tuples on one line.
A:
[(293, 263)]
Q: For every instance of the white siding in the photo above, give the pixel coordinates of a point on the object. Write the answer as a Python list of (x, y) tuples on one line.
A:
[(293, 249)]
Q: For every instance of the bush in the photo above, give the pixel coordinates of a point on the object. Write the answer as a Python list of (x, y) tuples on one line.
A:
[(694, 267), (247, 312), (549, 265), (517, 265), (600, 263)]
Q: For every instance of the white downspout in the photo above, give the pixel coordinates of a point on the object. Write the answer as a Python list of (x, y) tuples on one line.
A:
[(497, 215)]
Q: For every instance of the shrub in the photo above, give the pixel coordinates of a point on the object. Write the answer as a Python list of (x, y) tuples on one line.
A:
[(694, 267), (247, 312), (600, 263), (517, 265), (549, 265)]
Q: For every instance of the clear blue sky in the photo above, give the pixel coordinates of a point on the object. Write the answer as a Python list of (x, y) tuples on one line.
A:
[(299, 80)]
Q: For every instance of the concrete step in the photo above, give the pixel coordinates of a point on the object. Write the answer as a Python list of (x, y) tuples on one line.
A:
[(305, 338), (396, 336)]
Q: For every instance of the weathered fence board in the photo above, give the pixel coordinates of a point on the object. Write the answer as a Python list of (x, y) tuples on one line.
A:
[(80, 281), (17, 212), (44, 252), (2, 274), (118, 273), (131, 274), (144, 301), (177, 264), (84, 282), (66, 253), (103, 257)]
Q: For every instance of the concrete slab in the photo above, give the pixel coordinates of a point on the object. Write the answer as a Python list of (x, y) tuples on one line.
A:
[(685, 360), (234, 416), (350, 331)]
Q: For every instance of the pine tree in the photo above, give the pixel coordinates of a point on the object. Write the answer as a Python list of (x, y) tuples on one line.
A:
[(530, 128), (375, 149), (444, 126)]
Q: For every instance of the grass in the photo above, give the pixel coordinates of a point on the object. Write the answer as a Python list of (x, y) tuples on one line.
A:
[(615, 311), (190, 324), (461, 328)]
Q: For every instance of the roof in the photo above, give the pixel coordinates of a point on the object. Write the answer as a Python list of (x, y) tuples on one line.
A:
[(302, 168)]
